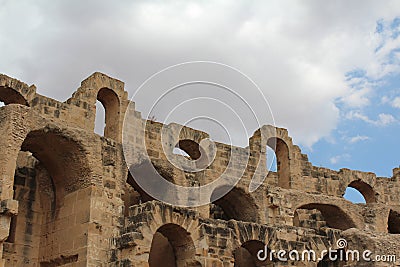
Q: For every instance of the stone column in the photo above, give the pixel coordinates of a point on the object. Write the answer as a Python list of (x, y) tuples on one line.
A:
[(12, 131)]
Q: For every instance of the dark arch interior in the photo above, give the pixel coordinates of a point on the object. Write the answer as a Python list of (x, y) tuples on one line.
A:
[(246, 255), (332, 215), (149, 174), (334, 259), (64, 159), (50, 168), (282, 161), (134, 194), (394, 222), (365, 189), (110, 101), (10, 96), (190, 147), (237, 205), (172, 246)]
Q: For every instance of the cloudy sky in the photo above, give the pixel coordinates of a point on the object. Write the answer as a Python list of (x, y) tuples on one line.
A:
[(330, 69)]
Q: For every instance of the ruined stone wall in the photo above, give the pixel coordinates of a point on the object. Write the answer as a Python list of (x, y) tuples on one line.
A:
[(68, 199)]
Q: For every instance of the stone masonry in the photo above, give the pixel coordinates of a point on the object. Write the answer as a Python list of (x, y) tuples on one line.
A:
[(68, 199)]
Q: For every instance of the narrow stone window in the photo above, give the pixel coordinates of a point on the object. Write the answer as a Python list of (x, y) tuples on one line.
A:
[(108, 119), (282, 161)]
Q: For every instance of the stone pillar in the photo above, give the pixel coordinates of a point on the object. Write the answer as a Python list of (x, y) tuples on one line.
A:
[(12, 131)]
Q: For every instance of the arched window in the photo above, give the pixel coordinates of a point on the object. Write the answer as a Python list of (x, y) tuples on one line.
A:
[(282, 161), (354, 196), (315, 215), (360, 192), (110, 101), (271, 160), (10, 96), (189, 148), (246, 255), (192, 151), (236, 205), (172, 246), (100, 121), (394, 222)]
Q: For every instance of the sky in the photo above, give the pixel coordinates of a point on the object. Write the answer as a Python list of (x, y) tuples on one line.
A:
[(329, 69)]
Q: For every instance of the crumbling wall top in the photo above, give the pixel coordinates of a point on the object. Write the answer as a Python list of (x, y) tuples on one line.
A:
[(13, 91)]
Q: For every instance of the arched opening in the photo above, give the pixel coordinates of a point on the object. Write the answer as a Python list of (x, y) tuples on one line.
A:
[(319, 215), (100, 120), (149, 175), (246, 255), (10, 96), (192, 151), (110, 101), (271, 160), (360, 192), (134, 194), (282, 161), (334, 259), (354, 196), (190, 147), (394, 222), (236, 205), (172, 246), (50, 169)]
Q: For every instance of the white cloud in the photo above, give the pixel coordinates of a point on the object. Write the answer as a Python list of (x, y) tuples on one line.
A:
[(385, 99), (357, 98), (358, 138), (396, 102), (382, 120), (385, 119), (339, 158), (298, 53)]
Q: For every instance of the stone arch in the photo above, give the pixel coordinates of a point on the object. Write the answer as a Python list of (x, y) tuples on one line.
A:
[(281, 150), (49, 194), (63, 156), (111, 103), (13, 91), (365, 189), (10, 96), (190, 147), (172, 246), (149, 174), (246, 255), (110, 92), (394, 222), (334, 216), (134, 194), (194, 151), (237, 205), (278, 140)]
